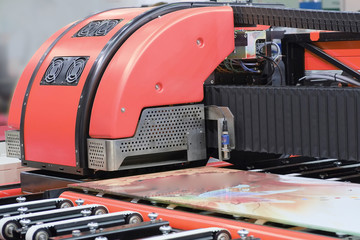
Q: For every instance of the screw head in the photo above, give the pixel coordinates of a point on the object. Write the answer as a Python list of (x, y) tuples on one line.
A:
[(22, 210), (86, 212), (79, 201), (165, 229), (24, 222), (200, 42), (93, 226), (76, 233), (101, 238), (243, 233), (153, 216), (21, 199), (122, 109)]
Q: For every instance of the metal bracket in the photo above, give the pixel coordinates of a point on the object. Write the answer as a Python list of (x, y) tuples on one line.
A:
[(218, 113)]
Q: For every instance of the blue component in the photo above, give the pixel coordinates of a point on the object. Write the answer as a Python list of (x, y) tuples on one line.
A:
[(311, 5), (225, 139)]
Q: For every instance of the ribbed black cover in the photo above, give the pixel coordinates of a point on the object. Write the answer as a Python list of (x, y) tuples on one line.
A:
[(308, 121)]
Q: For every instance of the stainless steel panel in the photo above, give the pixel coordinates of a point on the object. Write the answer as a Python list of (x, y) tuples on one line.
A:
[(162, 129), (12, 138)]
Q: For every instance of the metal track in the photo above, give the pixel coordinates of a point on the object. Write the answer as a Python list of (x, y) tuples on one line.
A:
[(293, 18), (327, 169), (297, 18)]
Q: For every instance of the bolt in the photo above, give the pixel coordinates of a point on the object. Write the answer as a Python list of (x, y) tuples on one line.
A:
[(101, 238), (21, 198), (337, 163), (25, 223), (243, 233), (76, 233), (212, 81), (198, 42), (157, 87), (122, 109), (93, 226), (86, 212), (153, 216), (22, 210), (165, 229), (79, 201)]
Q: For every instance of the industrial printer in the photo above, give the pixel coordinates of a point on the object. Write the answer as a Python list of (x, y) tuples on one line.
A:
[(121, 111)]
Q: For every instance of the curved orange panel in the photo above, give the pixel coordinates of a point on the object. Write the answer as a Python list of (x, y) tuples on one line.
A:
[(165, 62), (18, 96), (49, 125)]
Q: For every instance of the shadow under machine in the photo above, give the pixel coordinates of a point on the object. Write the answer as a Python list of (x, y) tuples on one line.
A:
[(142, 90)]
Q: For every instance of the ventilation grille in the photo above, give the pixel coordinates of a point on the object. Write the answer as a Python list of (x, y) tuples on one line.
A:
[(160, 130), (164, 128), (13, 144), (97, 28), (54, 70), (64, 71), (96, 154), (74, 71)]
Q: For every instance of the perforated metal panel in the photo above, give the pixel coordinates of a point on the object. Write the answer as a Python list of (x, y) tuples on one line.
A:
[(163, 129), (12, 139), (97, 154)]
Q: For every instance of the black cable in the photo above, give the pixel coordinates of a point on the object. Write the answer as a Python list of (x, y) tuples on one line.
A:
[(277, 65)]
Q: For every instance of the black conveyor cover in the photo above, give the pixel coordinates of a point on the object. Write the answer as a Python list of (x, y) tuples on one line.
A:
[(308, 121)]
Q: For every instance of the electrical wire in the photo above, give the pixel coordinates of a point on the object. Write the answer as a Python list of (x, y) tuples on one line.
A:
[(246, 68), (275, 65), (236, 66), (278, 52), (330, 77)]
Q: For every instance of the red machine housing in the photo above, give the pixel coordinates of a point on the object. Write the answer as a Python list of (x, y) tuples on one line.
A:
[(157, 65)]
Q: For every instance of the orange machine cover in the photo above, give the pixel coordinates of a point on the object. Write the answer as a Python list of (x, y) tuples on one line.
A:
[(165, 62), (51, 110)]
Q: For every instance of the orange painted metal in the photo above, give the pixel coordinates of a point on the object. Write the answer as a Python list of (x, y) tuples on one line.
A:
[(186, 221), (346, 52), (165, 62), (49, 125), (10, 192), (256, 28), (18, 96), (219, 164), (315, 36)]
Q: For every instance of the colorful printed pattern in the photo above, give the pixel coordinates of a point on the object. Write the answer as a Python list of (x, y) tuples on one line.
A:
[(318, 204)]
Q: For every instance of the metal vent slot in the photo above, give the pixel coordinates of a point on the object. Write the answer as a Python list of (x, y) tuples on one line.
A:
[(53, 70), (13, 144), (75, 70), (64, 71), (164, 129), (97, 28), (97, 154)]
